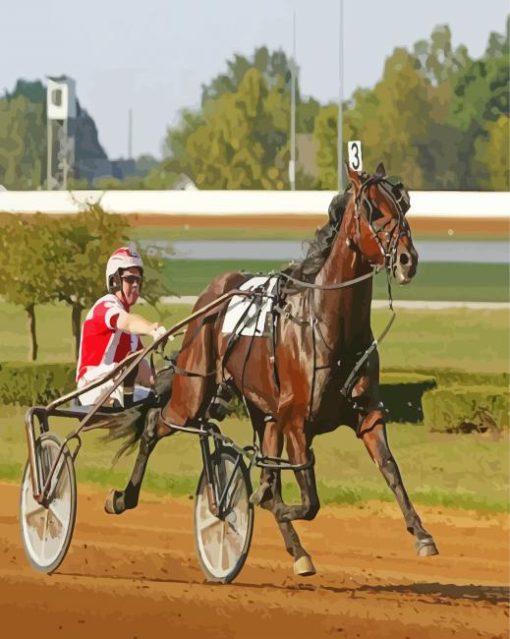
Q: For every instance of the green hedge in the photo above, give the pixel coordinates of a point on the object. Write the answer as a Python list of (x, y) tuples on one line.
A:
[(452, 377), (467, 408), (31, 384), (443, 399)]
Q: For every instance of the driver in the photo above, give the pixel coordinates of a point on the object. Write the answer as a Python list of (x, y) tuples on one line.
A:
[(110, 332)]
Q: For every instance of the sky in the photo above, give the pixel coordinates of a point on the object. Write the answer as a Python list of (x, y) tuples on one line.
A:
[(153, 56)]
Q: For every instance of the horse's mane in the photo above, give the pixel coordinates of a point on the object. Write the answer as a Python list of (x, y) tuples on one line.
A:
[(320, 247)]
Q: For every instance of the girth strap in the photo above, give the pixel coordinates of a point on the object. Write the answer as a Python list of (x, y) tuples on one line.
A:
[(185, 373)]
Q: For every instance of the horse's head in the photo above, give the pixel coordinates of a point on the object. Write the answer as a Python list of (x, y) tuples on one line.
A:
[(380, 230)]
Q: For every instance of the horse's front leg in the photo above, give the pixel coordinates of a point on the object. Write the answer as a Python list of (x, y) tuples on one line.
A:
[(269, 493), (118, 501), (373, 432), (300, 455)]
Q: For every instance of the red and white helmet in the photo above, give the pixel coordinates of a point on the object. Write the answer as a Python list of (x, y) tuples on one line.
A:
[(123, 258)]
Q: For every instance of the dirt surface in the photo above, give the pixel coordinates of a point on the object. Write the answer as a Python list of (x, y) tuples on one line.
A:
[(137, 575), (473, 227)]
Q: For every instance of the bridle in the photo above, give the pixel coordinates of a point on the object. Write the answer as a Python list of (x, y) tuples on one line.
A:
[(400, 228)]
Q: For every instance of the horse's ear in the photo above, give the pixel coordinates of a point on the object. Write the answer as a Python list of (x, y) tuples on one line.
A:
[(380, 170), (354, 177)]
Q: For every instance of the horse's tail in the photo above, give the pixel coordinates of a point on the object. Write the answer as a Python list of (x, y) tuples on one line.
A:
[(127, 426), (130, 423)]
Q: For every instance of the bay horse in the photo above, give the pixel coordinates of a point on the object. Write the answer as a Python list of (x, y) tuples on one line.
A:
[(318, 370)]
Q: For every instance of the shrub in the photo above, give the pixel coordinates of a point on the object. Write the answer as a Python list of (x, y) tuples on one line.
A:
[(452, 377), (30, 384), (461, 409)]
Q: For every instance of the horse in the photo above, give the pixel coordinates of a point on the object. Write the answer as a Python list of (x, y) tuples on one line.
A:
[(316, 370)]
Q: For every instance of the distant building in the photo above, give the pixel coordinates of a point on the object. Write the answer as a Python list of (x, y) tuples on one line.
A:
[(92, 169)]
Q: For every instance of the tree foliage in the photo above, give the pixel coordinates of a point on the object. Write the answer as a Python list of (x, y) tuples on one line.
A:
[(28, 267), (240, 137), (48, 259), (437, 117)]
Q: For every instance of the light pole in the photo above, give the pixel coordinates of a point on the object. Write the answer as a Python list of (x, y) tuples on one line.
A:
[(292, 163), (340, 162)]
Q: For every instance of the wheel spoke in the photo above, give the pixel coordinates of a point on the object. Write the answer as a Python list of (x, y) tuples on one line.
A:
[(31, 514), (233, 492), (45, 530), (222, 543), (56, 524), (234, 548), (60, 508), (206, 519)]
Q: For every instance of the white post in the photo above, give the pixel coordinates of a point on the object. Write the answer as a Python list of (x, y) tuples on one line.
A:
[(65, 158), (49, 153), (340, 159), (292, 164)]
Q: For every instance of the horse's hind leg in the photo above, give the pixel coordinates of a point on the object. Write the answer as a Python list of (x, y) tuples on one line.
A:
[(118, 501), (373, 433)]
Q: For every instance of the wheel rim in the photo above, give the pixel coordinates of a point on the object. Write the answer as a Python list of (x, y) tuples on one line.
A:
[(46, 530), (222, 543)]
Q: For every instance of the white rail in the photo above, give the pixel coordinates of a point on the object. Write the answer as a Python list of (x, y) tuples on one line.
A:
[(462, 204)]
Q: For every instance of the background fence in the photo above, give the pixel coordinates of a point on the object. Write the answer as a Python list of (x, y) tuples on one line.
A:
[(229, 203)]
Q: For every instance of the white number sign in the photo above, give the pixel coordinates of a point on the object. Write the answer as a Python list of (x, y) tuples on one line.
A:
[(355, 157)]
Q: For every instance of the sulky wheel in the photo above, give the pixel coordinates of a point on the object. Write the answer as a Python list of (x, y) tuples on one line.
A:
[(47, 529), (223, 541)]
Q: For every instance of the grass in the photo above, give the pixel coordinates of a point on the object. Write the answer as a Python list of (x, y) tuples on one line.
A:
[(468, 340), (435, 280), (438, 470)]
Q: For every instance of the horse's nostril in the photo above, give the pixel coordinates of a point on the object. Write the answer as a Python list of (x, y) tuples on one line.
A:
[(404, 258)]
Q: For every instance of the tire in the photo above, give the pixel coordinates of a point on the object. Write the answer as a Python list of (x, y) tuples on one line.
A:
[(223, 544), (46, 531)]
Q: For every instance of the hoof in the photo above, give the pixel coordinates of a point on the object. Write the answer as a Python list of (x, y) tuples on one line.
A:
[(110, 504), (257, 496), (304, 567), (426, 548)]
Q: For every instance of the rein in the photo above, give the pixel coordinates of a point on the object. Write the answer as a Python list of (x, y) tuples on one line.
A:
[(330, 287), (351, 379)]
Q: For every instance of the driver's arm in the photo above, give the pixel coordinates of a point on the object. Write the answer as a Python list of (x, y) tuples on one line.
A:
[(136, 324)]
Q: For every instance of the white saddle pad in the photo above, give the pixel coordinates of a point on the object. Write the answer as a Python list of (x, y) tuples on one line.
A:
[(247, 315)]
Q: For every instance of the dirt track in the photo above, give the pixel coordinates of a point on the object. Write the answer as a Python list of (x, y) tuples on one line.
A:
[(446, 226), (137, 576)]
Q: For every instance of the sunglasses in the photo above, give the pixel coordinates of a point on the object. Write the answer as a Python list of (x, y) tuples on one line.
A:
[(132, 279)]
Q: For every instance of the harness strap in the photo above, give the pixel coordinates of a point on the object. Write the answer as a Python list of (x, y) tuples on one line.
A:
[(185, 373)]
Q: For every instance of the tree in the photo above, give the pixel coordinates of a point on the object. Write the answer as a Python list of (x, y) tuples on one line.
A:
[(325, 134), (240, 137), (22, 154), (239, 140), (491, 157), (27, 247)]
